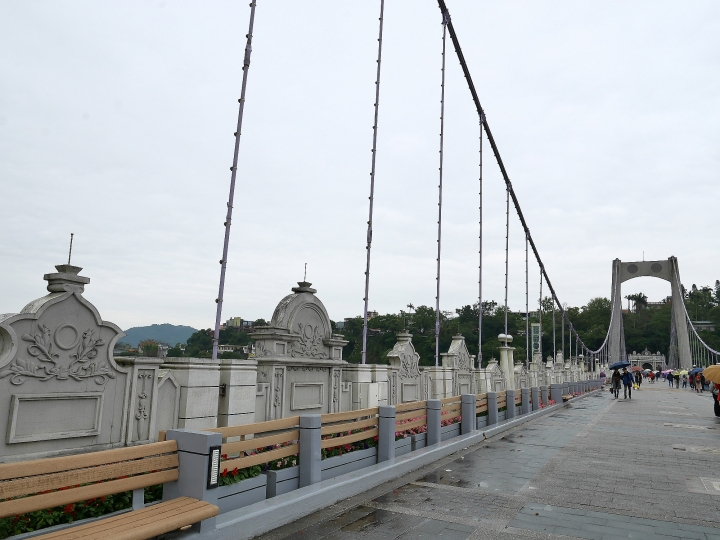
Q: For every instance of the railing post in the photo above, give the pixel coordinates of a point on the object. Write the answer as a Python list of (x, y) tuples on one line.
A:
[(525, 400), (386, 433), (434, 411), (544, 394), (556, 390), (510, 404), (194, 455), (468, 420), (492, 408), (535, 398), (310, 455)]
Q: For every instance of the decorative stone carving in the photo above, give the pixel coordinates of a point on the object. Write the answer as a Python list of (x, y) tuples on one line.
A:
[(404, 357), (57, 376), (299, 356)]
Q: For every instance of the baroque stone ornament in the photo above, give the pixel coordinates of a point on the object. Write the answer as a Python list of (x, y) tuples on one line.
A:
[(404, 357), (81, 364), (142, 414), (310, 343)]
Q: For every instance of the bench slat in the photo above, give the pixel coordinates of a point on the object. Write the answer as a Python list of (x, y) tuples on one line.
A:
[(411, 405), (348, 426), (347, 439), (105, 523), (252, 444), (257, 427), (36, 484), (339, 417), (262, 457), (152, 521), (9, 471), (61, 498)]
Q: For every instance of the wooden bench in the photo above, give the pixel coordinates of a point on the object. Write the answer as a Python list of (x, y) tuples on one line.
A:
[(47, 483)]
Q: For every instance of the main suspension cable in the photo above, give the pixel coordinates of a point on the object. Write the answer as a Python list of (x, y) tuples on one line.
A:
[(233, 175), (372, 187)]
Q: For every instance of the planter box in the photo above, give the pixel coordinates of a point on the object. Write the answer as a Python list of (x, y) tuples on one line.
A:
[(282, 481), (482, 422), (518, 410), (242, 493), (418, 441), (502, 415), (448, 432), (403, 446), (352, 461)]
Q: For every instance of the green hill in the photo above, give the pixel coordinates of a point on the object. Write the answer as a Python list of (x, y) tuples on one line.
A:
[(164, 333)]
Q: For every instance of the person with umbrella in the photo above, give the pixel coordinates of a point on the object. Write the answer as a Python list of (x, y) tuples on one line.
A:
[(616, 379), (627, 380), (712, 375)]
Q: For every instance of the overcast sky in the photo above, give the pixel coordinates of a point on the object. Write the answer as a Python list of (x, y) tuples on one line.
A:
[(117, 121)]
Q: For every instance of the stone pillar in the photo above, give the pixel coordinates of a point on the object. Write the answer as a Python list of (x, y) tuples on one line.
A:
[(199, 380), (556, 390), (238, 385), (468, 420), (380, 378), (309, 455), (535, 398), (544, 394), (440, 382), (506, 361), (433, 421), (386, 433), (510, 407), (142, 410), (365, 393), (492, 408), (525, 400), (194, 457)]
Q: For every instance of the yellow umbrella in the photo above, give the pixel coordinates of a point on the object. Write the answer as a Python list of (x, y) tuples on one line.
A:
[(676, 372), (683, 372), (712, 373)]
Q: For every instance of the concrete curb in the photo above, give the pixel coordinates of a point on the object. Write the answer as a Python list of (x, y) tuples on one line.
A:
[(270, 514)]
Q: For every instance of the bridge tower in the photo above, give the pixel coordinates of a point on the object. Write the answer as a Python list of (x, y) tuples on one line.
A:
[(667, 270)]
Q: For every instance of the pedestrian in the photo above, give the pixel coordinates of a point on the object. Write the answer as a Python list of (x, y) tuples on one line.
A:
[(702, 383), (602, 378), (677, 381), (627, 380), (615, 379), (716, 398), (684, 381), (698, 383), (691, 381), (669, 377)]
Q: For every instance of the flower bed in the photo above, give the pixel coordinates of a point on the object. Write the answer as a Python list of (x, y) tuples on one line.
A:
[(229, 477), (402, 433), (339, 450), (41, 519), (449, 421)]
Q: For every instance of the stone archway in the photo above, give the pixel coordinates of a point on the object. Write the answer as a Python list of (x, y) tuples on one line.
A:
[(663, 269)]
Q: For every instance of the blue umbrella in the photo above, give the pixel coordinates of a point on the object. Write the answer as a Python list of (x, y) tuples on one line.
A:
[(696, 370), (619, 365)]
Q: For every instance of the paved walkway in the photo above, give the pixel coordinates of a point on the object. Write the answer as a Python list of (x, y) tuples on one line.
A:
[(600, 469)]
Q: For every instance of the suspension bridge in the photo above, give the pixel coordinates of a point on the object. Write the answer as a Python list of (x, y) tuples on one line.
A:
[(298, 443), (687, 348)]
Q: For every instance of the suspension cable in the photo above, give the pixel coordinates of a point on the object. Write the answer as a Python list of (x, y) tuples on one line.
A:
[(233, 176), (507, 248), (527, 307), (372, 186), (440, 183), (496, 152), (480, 246)]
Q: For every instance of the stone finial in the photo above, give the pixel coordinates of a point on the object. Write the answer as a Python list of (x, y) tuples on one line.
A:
[(66, 279), (304, 286)]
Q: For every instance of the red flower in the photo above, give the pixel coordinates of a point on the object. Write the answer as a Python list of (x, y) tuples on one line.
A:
[(69, 508), (224, 473), (235, 471)]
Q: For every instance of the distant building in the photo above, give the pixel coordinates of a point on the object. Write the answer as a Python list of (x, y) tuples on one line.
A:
[(647, 360), (703, 326), (239, 322)]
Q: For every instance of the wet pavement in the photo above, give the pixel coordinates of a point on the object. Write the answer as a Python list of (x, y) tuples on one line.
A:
[(601, 468)]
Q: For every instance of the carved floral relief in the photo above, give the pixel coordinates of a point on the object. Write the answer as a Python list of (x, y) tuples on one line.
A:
[(310, 343), (47, 346)]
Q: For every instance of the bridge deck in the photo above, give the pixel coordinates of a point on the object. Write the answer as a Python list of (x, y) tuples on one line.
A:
[(601, 469)]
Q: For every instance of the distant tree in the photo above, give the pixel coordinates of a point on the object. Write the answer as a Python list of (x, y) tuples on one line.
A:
[(149, 347)]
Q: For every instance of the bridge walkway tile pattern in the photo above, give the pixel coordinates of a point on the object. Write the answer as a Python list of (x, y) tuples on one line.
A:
[(599, 469)]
